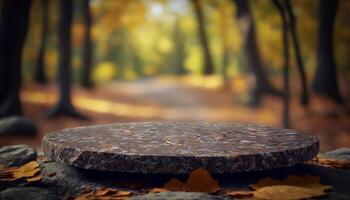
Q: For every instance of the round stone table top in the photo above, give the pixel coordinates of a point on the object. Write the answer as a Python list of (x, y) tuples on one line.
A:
[(179, 147)]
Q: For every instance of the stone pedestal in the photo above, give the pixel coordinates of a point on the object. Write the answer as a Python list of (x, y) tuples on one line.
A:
[(179, 147)]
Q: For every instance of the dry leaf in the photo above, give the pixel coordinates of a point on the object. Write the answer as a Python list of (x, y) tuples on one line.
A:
[(104, 193), (325, 162), (304, 181), (199, 181), (293, 187), (35, 178), (286, 192), (240, 194), (174, 185), (157, 190), (26, 171)]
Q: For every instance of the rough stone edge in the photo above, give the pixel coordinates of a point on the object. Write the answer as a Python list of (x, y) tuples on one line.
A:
[(177, 165)]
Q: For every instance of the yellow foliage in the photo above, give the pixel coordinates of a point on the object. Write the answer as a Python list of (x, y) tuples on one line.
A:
[(165, 45), (104, 71)]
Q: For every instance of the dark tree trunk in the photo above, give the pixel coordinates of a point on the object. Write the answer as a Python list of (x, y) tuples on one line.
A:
[(64, 105), (39, 74), (301, 69), (325, 80), (208, 62), (179, 50), (281, 9), (251, 52), (87, 48), (13, 29)]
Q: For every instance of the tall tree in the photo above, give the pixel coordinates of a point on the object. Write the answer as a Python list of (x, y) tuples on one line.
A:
[(301, 69), (252, 56), (208, 61), (13, 28), (179, 49), (87, 48), (39, 74), (326, 81), (281, 9), (64, 104)]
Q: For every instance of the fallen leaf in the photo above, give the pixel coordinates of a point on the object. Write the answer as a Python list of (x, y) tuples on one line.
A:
[(199, 181), (25, 171), (304, 181), (174, 185), (35, 178), (104, 193), (293, 187), (325, 162), (240, 194), (157, 190), (286, 192)]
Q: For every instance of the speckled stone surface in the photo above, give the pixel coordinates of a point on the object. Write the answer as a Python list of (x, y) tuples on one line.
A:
[(179, 147)]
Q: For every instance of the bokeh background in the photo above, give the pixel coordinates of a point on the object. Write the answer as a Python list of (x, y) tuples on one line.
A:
[(147, 62)]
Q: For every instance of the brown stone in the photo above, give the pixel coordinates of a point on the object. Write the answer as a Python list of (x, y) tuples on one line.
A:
[(179, 147)]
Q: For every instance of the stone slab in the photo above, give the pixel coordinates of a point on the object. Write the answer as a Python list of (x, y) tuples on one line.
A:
[(179, 147)]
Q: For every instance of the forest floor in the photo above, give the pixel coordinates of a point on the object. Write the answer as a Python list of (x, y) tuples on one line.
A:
[(178, 99)]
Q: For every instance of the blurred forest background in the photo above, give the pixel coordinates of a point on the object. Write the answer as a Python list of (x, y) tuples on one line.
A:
[(72, 63)]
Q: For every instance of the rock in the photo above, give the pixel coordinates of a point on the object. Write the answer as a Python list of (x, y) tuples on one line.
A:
[(65, 180), (28, 193), (179, 195), (179, 147), (17, 125), (338, 154), (16, 155)]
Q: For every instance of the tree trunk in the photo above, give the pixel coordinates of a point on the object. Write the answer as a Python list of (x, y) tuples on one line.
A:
[(13, 30), (301, 69), (285, 117), (87, 48), (252, 56), (39, 75), (64, 105), (179, 49), (325, 80), (208, 63)]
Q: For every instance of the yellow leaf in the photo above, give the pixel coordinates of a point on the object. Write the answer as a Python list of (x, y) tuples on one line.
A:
[(35, 178), (325, 162), (21, 174), (24, 171), (286, 192), (311, 182), (104, 193)]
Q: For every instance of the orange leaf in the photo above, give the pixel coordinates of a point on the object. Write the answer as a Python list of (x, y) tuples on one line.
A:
[(174, 185), (201, 181), (35, 178), (157, 190), (240, 194)]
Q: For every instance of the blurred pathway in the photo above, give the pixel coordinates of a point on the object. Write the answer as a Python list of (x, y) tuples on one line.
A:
[(178, 100)]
